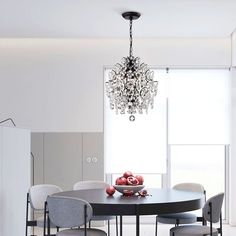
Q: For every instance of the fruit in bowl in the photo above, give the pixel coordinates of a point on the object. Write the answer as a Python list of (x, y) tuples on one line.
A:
[(127, 174), (121, 181), (129, 179), (140, 179), (128, 184)]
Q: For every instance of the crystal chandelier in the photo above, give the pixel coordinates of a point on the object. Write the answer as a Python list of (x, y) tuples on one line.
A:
[(131, 87)]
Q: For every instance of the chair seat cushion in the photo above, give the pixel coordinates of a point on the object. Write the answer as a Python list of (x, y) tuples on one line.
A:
[(103, 217), (196, 230), (80, 232), (183, 218)]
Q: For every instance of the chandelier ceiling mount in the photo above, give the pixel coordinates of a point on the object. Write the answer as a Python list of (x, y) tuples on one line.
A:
[(131, 15)]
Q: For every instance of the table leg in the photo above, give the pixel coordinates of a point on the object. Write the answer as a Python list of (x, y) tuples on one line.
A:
[(137, 225), (121, 225)]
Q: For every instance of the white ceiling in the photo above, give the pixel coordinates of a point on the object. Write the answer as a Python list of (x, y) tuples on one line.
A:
[(102, 18)]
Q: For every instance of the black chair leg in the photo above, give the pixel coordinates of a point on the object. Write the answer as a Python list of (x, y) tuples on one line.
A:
[(116, 225), (44, 219), (121, 226), (221, 224), (156, 227), (27, 209), (108, 225), (177, 222), (49, 229)]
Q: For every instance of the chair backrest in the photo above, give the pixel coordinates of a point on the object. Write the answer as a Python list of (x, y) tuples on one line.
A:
[(38, 194), (90, 184), (194, 187), (214, 204), (67, 212)]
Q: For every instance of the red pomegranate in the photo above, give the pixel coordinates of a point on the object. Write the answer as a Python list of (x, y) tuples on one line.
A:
[(131, 180), (121, 181), (110, 190), (140, 179), (127, 174)]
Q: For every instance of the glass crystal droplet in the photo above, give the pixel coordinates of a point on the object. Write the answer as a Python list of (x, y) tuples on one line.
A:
[(132, 118)]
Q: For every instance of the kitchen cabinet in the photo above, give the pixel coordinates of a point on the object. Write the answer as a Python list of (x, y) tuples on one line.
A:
[(65, 158)]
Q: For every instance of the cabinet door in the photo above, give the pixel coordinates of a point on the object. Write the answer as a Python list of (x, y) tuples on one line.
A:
[(93, 158), (62, 159)]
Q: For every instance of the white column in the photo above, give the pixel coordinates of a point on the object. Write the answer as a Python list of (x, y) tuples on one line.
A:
[(233, 49), (232, 163), (15, 179)]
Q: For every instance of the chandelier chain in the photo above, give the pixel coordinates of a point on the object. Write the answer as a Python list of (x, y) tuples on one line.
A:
[(130, 38)]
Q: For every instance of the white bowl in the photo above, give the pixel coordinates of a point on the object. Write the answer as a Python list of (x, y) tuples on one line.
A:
[(126, 189)]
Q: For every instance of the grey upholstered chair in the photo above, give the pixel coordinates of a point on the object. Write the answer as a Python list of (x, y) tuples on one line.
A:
[(181, 218), (36, 198), (211, 213), (67, 212), (94, 184)]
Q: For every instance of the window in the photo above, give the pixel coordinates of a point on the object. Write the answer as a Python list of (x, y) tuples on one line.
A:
[(137, 146), (199, 106), (203, 164), (187, 132)]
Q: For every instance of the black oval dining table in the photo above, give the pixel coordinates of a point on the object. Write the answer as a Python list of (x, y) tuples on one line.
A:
[(159, 201)]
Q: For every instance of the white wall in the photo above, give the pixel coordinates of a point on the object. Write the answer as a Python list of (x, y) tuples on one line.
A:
[(57, 84)]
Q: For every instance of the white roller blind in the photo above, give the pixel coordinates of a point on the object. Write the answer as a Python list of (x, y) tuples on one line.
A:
[(198, 113), (199, 106), (139, 146)]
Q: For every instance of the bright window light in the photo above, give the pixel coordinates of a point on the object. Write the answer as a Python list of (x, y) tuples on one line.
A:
[(141, 145)]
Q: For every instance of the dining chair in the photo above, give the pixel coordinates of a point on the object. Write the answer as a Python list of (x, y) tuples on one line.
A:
[(183, 217), (95, 184), (36, 198), (71, 213), (211, 213)]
